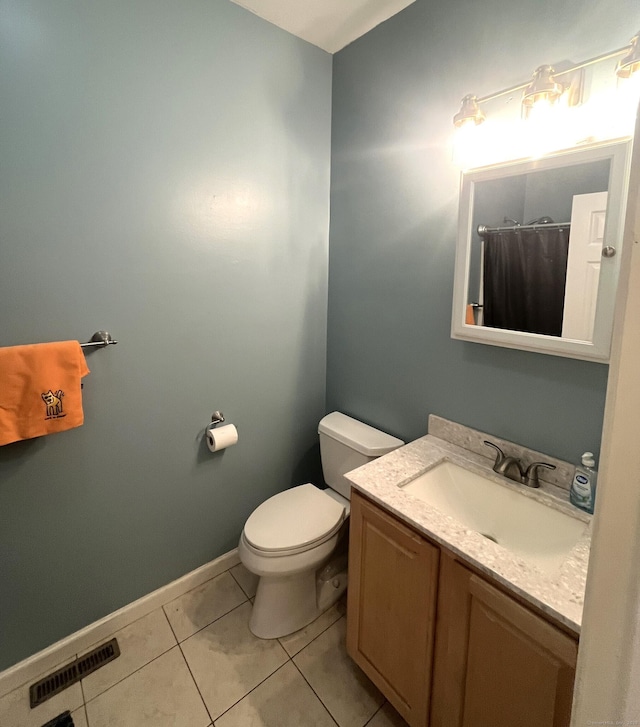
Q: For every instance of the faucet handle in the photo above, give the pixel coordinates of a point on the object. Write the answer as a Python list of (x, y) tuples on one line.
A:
[(531, 475), (500, 456)]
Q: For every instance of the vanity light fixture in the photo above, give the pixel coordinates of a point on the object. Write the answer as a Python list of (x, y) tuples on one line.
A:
[(543, 89), (630, 64), (470, 112), (546, 86)]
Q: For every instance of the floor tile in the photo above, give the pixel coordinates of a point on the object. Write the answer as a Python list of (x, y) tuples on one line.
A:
[(283, 700), (79, 718), (247, 580), (140, 642), (227, 660), (295, 642), (15, 710), (161, 694), (343, 688), (387, 717), (203, 605)]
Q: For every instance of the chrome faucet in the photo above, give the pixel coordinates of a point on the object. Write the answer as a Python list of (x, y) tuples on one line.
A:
[(513, 468)]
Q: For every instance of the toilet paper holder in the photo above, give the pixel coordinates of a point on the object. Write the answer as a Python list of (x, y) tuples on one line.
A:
[(217, 418)]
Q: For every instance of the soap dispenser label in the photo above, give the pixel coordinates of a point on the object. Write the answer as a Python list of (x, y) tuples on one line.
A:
[(581, 490)]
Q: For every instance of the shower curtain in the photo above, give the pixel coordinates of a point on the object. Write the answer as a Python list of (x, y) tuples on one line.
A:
[(524, 279)]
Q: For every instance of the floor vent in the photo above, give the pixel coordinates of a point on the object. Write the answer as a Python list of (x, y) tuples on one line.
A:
[(62, 720), (71, 673)]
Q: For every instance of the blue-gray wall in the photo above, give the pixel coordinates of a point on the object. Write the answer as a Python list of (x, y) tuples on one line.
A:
[(394, 194), (164, 174)]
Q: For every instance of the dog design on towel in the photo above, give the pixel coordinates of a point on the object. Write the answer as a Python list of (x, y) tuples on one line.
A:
[(53, 402)]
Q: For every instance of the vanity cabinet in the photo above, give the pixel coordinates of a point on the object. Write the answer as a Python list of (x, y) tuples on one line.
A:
[(497, 663), (393, 581), (446, 646)]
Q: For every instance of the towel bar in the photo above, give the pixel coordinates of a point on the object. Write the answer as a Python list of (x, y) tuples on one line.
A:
[(99, 339)]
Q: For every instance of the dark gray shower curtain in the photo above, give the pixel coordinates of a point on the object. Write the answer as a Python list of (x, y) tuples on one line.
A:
[(524, 279)]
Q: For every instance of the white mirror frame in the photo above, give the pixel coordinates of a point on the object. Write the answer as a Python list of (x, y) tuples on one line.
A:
[(619, 153)]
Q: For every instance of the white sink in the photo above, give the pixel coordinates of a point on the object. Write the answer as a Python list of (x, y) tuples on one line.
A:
[(535, 532)]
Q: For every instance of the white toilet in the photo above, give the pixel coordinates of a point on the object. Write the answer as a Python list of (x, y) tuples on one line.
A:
[(293, 540)]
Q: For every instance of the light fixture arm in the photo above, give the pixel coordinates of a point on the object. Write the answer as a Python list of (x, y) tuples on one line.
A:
[(557, 74)]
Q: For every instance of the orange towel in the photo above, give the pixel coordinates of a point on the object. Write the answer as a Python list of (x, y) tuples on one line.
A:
[(40, 389), (470, 318)]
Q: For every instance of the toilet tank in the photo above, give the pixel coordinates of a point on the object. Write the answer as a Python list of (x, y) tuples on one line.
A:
[(345, 444)]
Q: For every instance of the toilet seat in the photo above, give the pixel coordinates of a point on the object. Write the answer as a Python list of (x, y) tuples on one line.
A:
[(293, 521)]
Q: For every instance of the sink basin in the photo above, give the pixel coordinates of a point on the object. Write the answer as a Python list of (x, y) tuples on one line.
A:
[(531, 530)]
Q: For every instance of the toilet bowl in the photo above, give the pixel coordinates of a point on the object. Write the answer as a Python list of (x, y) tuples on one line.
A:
[(296, 540)]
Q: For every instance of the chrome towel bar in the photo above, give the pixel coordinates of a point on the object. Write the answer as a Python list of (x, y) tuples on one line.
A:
[(100, 339)]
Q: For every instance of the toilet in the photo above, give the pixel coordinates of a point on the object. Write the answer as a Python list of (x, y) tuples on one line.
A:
[(295, 541)]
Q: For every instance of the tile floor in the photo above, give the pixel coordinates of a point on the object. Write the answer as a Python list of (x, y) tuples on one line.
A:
[(194, 663)]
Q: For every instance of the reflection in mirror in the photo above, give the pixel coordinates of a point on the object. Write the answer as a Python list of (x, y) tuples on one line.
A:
[(536, 249), (530, 267)]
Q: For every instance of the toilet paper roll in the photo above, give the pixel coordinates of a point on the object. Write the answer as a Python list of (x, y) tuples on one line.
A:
[(221, 437)]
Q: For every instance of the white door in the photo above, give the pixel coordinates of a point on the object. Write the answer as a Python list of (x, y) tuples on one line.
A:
[(583, 265), (608, 672)]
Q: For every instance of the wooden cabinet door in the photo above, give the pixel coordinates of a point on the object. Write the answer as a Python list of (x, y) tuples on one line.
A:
[(498, 663), (391, 607)]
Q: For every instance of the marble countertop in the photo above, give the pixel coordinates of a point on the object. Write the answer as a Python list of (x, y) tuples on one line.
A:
[(559, 593)]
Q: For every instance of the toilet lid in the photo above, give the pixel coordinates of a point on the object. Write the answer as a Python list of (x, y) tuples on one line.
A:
[(294, 518)]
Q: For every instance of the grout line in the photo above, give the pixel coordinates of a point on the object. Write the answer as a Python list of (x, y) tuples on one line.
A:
[(252, 690), (289, 659), (177, 644), (84, 703), (85, 700), (305, 678), (170, 626), (135, 671), (25, 686), (206, 709), (240, 584), (195, 588), (316, 636), (204, 704), (369, 721), (311, 686), (316, 693), (41, 662), (186, 638)]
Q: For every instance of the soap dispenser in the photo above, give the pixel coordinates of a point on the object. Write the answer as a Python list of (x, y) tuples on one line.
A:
[(583, 487)]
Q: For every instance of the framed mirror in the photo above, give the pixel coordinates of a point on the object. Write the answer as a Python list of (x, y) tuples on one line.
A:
[(538, 252)]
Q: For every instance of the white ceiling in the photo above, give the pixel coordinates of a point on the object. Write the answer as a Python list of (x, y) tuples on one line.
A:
[(329, 24)]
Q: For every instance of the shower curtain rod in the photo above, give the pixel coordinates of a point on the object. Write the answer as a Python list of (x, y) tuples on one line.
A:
[(484, 230)]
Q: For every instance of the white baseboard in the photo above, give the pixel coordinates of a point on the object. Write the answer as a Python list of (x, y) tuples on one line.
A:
[(68, 648)]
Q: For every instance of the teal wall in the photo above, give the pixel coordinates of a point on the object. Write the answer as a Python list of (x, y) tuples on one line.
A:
[(164, 175), (394, 195)]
